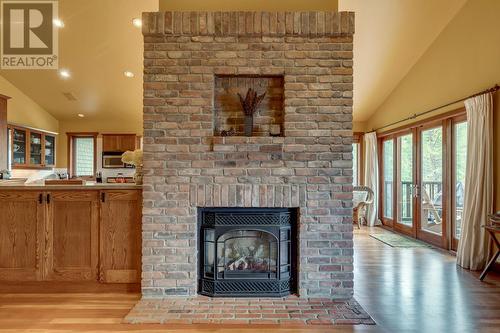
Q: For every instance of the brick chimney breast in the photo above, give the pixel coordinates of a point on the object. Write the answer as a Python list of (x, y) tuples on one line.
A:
[(306, 60)]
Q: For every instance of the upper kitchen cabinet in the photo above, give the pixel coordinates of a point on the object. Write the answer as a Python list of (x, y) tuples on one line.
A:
[(32, 149), (50, 150), (35, 148), (118, 142), (19, 146)]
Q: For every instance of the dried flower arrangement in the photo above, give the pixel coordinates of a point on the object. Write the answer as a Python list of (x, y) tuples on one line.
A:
[(250, 104)]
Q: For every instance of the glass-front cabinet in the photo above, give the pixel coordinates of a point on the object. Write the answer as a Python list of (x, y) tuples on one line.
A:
[(32, 149), (35, 148), (50, 150), (19, 144)]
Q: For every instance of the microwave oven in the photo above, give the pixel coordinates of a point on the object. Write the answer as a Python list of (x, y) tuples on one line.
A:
[(114, 161)]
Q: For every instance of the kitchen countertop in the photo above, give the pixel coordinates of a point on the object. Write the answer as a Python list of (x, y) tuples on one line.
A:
[(10, 185)]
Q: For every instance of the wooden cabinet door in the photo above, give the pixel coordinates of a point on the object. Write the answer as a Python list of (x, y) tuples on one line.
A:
[(19, 147), (109, 143), (72, 245), (21, 235), (35, 149), (120, 234), (118, 142), (127, 142)]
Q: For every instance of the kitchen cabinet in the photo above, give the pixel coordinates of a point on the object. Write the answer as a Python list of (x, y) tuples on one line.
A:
[(32, 149), (19, 146), (21, 230), (50, 150), (72, 244), (118, 142), (120, 235), (70, 235), (35, 148)]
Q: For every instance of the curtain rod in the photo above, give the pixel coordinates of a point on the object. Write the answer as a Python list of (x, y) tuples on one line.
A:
[(490, 90)]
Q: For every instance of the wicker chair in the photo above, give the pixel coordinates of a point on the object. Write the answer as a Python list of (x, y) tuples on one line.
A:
[(362, 199)]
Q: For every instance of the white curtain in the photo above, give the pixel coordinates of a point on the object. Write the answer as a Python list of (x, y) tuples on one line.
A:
[(478, 200), (371, 175)]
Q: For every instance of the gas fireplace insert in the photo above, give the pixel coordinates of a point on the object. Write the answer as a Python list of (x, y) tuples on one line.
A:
[(247, 252)]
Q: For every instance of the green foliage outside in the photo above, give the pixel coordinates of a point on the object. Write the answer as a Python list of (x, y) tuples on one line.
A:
[(461, 151)]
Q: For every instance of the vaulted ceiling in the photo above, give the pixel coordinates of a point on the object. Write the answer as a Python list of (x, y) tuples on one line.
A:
[(99, 43), (390, 37)]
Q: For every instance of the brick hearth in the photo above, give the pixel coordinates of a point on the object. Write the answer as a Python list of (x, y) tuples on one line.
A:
[(281, 311)]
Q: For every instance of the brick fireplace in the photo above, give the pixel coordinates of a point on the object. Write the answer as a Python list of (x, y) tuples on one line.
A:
[(194, 64)]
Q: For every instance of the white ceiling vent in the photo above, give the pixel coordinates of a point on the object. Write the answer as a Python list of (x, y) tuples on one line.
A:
[(70, 96)]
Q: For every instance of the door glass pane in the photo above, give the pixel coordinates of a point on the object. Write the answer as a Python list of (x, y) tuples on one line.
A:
[(50, 145), (460, 139), (405, 179), (35, 148), (355, 152), (388, 163), (431, 195), (19, 147)]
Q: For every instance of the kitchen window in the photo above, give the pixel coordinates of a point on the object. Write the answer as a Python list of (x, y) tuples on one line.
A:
[(82, 154)]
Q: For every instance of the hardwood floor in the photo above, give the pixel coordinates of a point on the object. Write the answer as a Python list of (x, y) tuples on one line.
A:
[(422, 289), (405, 290)]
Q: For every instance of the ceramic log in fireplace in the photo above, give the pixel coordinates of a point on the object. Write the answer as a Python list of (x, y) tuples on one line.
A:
[(247, 252)]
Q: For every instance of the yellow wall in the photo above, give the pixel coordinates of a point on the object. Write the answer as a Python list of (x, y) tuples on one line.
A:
[(83, 125), (464, 59), (22, 110), (256, 5), (359, 126)]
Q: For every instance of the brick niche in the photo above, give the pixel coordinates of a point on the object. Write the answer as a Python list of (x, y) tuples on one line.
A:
[(187, 166), (227, 105)]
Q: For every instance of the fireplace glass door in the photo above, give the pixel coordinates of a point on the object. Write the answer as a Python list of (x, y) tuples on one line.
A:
[(248, 252), (251, 253)]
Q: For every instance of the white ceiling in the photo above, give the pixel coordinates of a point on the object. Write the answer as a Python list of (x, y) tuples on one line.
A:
[(99, 42)]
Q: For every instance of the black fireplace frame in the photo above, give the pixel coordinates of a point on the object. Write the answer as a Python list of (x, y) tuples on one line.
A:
[(280, 222)]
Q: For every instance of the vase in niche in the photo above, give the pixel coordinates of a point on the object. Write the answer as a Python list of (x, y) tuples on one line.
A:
[(248, 125), (250, 104)]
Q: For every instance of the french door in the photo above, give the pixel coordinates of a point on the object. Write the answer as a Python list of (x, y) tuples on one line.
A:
[(431, 190), (405, 183), (422, 179)]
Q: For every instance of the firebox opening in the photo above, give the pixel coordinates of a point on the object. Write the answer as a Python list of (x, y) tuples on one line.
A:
[(247, 252)]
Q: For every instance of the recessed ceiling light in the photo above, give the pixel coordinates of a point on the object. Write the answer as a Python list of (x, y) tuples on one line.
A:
[(58, 23), (128, 74), (137, 22), (81, 115), (64, 73)]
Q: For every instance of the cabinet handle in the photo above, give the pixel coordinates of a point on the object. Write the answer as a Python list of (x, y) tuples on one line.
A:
[(103, 196), (40, 198), (48, 198)]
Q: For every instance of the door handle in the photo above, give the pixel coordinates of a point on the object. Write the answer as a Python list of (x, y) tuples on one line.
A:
[(103, 196), (40, 198), (48, 198)]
